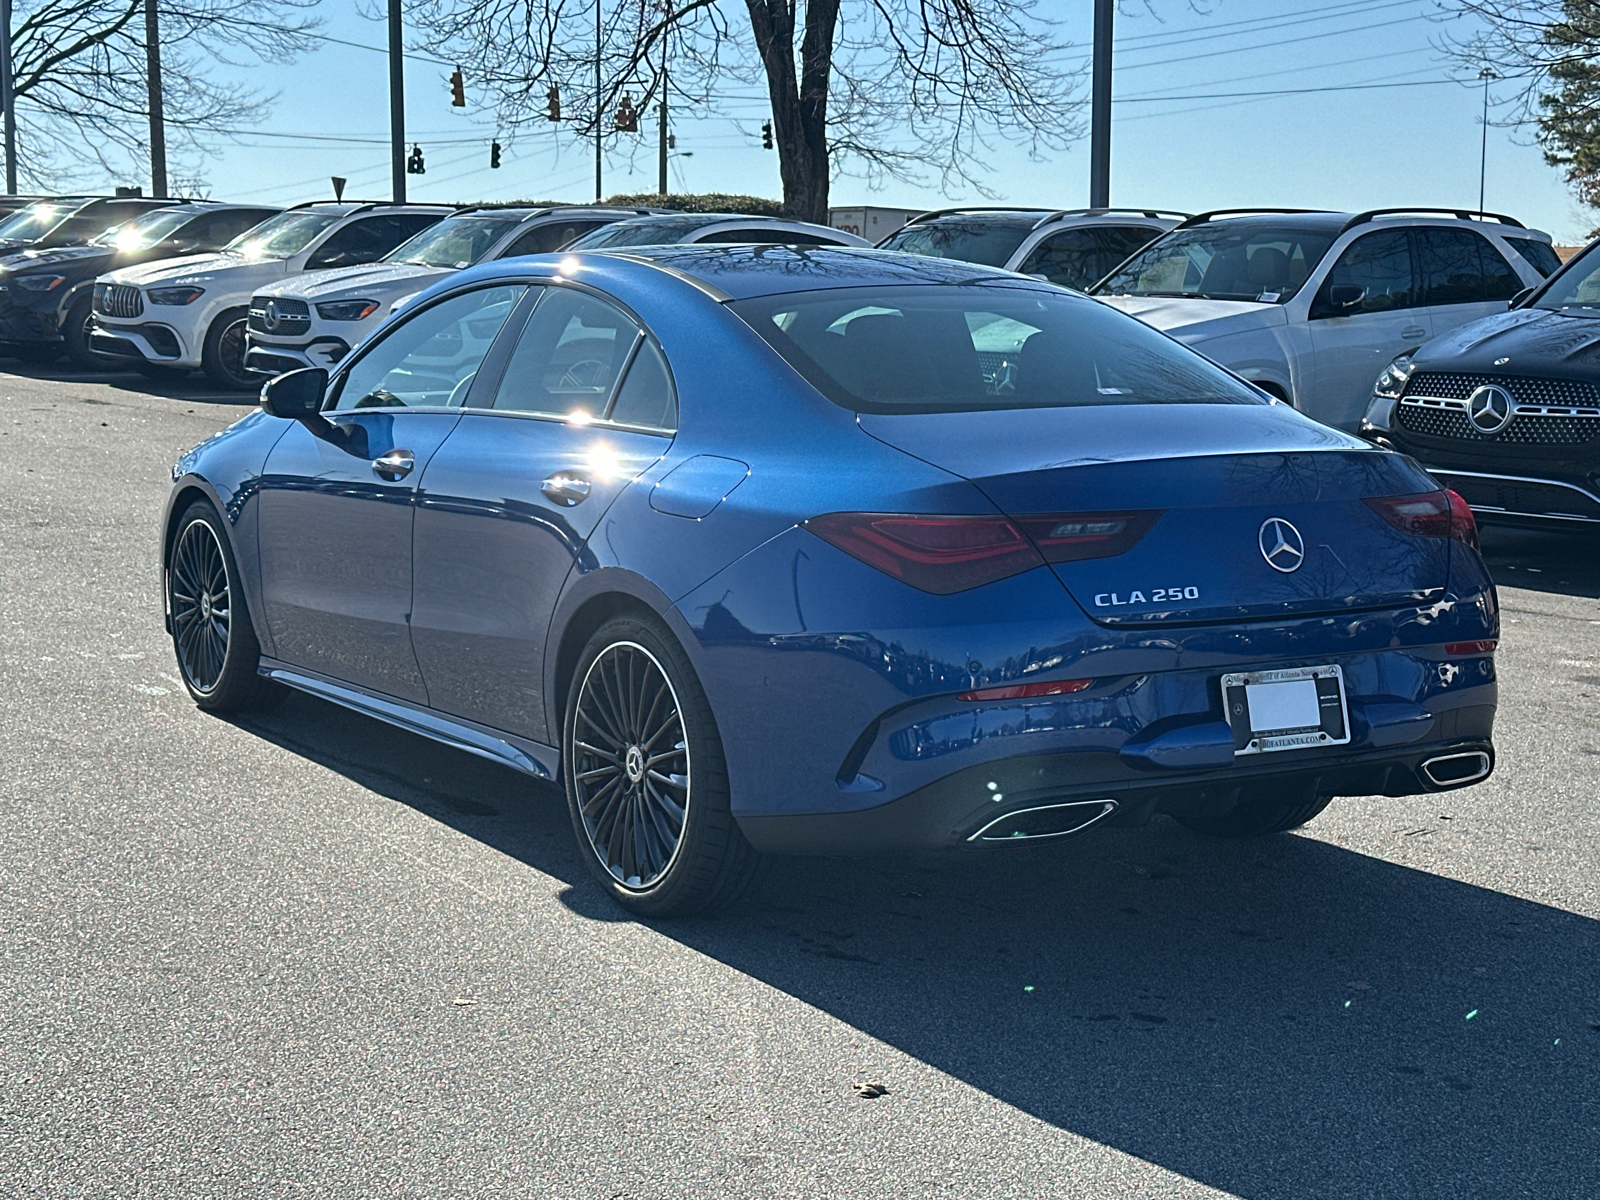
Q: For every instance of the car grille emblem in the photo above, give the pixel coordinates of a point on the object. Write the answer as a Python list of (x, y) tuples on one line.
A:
[(269, 317), (1281, 545), (1489, 408), (1500, 362)]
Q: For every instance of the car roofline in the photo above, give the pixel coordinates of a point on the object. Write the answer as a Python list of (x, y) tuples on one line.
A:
[(1204, 218), (1459, 214)]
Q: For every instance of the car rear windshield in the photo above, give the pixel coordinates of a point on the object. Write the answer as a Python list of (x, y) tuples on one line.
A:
[(657, 231), (990, 242), (458, 242), (281, 236), (938, 348), (1222, 261)]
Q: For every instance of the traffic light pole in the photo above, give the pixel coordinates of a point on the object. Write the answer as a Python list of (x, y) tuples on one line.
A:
[(1100, 108), (397, 105), (8, 102)]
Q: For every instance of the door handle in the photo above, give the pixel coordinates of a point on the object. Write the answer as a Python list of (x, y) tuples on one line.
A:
[(395, 465), (566, 489), (1413, 331)]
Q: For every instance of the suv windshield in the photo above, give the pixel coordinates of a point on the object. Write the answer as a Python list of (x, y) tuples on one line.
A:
[(980, 347), (1222, 261), (657, 231), (990, 241), (144, 230), (32, 223), (283, 235), (1577, 292), (458, 242)]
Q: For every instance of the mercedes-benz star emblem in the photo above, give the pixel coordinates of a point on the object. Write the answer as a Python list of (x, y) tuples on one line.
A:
[(1489, 408), (269, 318), (1281, 545)]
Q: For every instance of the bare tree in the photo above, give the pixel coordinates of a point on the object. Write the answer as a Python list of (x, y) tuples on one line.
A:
[(1547, 53), (880, 88), (79, 69)]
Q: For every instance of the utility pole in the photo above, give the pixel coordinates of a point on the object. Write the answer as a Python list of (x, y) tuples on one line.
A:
[(158, 118), (1488, 76), (663, 148), (1100, 107), (8, 101), (599, 130), (397, 106)]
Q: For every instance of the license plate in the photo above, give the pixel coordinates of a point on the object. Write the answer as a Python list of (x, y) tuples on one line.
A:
[(1291, 709)]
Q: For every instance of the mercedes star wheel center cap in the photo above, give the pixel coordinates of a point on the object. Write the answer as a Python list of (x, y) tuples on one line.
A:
[(205, 606), (1489, 408), (633, 764), (1281, 545)]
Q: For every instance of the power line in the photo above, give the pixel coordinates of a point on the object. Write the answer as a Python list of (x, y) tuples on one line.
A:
[(1261, 24)]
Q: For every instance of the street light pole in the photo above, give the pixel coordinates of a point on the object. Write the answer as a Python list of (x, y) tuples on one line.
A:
[(599, 134), (397, 105), (8, 101), (1488, 76), (1100, 107)]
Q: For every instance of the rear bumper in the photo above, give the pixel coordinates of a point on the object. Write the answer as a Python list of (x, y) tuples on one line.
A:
[(962, 810)]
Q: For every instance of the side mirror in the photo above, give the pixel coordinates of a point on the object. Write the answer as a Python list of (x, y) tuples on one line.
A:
[(1517, 300), (296, 395), (1346, 297)]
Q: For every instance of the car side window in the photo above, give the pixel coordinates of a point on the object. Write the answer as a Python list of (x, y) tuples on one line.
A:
[(568, 357), (368, 240), (1463, 267), (1541, 256), (1067, 259), (547, 238), (1379, 264), (430, 359), (645, 397)]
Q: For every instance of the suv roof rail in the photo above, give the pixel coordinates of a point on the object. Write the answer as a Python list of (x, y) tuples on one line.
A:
[(1155, 214), (541, 210), (975, 208), (364, 205), (1202, 218), (1460, 214)]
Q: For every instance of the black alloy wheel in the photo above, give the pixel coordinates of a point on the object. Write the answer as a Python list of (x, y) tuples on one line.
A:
[(75, 334), (222, 357), (646, 783), (216, 645)]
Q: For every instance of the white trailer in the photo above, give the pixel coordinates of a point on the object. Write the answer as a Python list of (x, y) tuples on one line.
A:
[(871, 222)]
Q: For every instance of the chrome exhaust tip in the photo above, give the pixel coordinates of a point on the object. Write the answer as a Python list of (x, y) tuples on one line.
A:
[(1456, 770), (1045, 821)]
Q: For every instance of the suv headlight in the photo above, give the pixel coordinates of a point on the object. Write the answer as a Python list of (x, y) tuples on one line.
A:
[(347, 310), (175, 295), (38, 283), (1387, 391)]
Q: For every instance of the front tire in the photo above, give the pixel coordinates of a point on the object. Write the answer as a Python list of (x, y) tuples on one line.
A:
[(647, 786), (1260, 811), (222, 357), (75, 335), (218, 654)]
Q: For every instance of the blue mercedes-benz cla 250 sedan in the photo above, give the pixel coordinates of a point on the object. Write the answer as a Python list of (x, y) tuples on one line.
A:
[(763, 549)]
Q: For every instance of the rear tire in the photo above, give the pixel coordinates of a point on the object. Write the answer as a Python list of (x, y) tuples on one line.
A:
[(222, 357), (647, 785), (1258, 812), (75, 335), (215, 643)]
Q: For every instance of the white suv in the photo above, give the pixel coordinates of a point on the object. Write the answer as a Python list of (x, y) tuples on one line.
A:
[(1073, 248), (315, 320), (1312, 306), (191, 312)]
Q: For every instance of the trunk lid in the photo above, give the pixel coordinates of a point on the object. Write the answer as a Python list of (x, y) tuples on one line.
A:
[(1221, 476)]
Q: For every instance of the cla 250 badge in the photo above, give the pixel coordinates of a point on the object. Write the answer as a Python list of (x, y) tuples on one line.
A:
[(1157, 596)]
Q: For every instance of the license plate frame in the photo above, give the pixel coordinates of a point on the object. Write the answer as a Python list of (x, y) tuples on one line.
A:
[(1332, 727)]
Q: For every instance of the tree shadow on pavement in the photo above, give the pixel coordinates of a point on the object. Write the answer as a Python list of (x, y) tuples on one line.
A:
[(1279, 1019)]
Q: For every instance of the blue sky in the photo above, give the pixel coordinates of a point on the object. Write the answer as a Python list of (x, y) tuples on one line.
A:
[(1361, 147)]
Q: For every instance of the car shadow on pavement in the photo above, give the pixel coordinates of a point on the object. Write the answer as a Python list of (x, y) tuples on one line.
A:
[(181, 385), (1280, 1019), (1561, 563)]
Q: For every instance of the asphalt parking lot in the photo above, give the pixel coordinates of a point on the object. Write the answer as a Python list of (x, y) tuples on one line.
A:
[(304, 954)]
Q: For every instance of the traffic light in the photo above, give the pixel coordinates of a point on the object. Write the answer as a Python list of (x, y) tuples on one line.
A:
[(414, 163), (627, 118), (458, 89), (494, 155), (553, 96), (766, 135)]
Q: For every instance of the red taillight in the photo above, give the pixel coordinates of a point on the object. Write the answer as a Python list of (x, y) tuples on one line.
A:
[(942, 555), (1027, 691), (1463, 525), (1429, 514), (1486, 646)]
